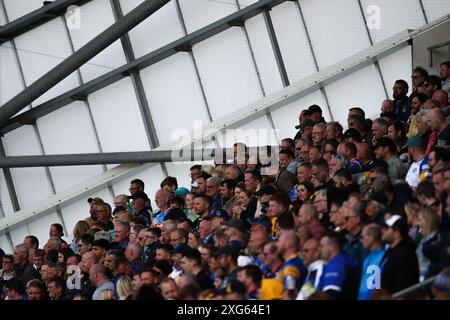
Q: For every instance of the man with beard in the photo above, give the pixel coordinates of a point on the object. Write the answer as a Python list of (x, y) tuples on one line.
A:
[(400, 91)]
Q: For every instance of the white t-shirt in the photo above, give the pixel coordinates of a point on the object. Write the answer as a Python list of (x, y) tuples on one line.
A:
[(412, 177)]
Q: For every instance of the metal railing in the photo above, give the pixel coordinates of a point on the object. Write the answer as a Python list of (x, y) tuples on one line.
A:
[(402, 293)]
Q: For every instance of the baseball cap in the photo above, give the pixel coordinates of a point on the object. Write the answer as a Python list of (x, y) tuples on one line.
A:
[(415, 141), (265, 189), (139, 195), (194, 184), (217, 213), (314, 108), (181, 248), (397, 222), (352, 133), (305, 124), (229, 250), (182, 191), (96, 200), (238, 224), (264, 221), (174, 214)]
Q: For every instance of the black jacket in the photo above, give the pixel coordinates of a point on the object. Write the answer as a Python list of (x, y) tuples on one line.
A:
[(400, 267), (26, 273)]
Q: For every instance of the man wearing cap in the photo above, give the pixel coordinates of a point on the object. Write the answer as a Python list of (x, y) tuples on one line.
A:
[(419, 169), (93, 203), (227, 258), (181, 192), (306, 128), (259, 233), (177, 255), (385, 150), (400, 267), (140, 204), (316, 114)]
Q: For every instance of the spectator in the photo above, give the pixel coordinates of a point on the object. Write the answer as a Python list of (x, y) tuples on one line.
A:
[(371, 241), (339, 275), (419, 168), (428, 227), (385, 150), (401, 268), (23, 270), (100, 277), (312, 260)]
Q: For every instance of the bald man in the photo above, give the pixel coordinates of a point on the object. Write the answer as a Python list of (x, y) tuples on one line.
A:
[(441, 96), (437, 121), (293, 270)]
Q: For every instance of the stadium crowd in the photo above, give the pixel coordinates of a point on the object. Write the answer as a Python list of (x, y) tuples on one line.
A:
[(361, 213)]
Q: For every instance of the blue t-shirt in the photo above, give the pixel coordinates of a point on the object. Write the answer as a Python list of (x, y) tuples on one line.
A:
[(369, 272), (335, 273)]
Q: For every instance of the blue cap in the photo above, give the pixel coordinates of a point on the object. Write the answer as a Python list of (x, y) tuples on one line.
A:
[(181, 191), (264, 221)]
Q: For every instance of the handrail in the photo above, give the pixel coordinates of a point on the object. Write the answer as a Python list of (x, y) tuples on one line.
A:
[(413, 288)]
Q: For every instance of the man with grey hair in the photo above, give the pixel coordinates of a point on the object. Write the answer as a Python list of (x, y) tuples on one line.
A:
[(437, 121), (100, 277), (379, 129), (53, 243), (121, 200), (23, 269), (318, 134), (213, 191), (121, 234)]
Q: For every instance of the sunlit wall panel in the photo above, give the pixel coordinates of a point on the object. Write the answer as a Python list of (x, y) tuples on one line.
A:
[(388, 13), (118, 119), (362, 88), (292, 40), (37, 59), (96, 16), (436, 8), (336, 28), (227, 72), (31, 184), (161, 28), (174, 96), (397, 66), (263, 53)]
